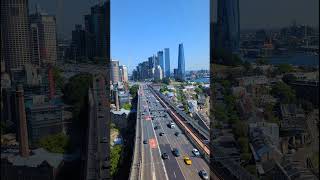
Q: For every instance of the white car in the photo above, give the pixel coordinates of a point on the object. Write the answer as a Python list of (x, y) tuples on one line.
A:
[(196, 152)]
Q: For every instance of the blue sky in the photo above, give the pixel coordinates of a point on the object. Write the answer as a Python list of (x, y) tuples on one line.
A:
[(140, 28)]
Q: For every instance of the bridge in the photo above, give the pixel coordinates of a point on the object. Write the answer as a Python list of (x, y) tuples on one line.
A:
[(97, 165), (154, 137)]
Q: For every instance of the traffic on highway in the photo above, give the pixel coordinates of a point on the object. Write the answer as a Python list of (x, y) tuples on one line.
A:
[(166, 151)]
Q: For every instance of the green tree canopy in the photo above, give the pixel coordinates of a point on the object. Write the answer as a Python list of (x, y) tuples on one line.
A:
[(57, 143), (284, 92), (134, 90), (285, 68), (77, 88), (126, 106), (115, 155)]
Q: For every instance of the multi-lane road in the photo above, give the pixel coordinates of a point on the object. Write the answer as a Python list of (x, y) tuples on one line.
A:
[(154, 119)]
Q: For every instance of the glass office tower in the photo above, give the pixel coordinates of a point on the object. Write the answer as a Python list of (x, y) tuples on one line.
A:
[(228, 25), (167, 62), (181, 63), (161, 60)]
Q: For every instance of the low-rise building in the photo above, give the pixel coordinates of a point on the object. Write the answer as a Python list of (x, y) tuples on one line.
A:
[(44, 118)]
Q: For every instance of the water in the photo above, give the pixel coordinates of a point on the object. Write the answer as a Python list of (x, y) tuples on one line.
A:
[(299, 59), (205, 80)]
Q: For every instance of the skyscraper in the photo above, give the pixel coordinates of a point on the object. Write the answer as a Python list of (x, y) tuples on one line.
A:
[(181, 63), (46, 25), (78, 42), (158, 73), (124, 73), (98, 31), (228, 26), (161, 60), (15, 32), (115, 74), (151, 65), (167, 62)]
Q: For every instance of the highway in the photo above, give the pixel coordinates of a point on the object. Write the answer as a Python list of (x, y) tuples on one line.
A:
[(96, 164), (153, 114)]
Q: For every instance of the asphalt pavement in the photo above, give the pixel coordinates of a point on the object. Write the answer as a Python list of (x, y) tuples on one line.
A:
[(153, 114)]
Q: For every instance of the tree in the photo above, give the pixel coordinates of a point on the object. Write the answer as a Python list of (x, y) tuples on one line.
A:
[(226, 83), (284, 93), (220, 113), (115, 155), (240, 128), (198, 90), (77, 88), (126, 106), (134, 90), (287, 78), (262, 61), (285, 68), (166, 80), (247, 66), (244, 144), (57, 143), (58, 78), (245, 156)]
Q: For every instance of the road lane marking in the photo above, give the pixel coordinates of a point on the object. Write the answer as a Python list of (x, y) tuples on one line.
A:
[(163, 166)]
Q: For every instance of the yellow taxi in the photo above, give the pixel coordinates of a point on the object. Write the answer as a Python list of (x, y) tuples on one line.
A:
[(187, 160)]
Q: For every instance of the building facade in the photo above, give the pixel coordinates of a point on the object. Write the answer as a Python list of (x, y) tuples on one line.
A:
[(167, 62), (46, 27), (161, 60), (115, 74), (15, 33), (181, 63), (228, 26)]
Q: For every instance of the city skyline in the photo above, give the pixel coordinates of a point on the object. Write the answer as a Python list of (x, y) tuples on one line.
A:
[(168, 25)]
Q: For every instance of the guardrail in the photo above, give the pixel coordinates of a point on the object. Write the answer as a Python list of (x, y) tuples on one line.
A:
[(203, 131), (193, 138), (233, 168), (135, 171)]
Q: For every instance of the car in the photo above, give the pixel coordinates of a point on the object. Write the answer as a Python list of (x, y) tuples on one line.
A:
[(161, 134), (145, 142), (176, 133), (195, 152), (203, 174), (165, 156), (187, 160), (176, 152), (156, 127)]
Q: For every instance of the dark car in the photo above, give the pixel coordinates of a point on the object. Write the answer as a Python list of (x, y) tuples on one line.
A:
[(203, 174), (145, 142), (176, 133), (176, 152), (161, 134), (156, 127), (165, 156)]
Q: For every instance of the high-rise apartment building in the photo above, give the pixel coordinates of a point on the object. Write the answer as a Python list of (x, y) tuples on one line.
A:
[(15, 33), (115, 75), (181, 63), (167, 62), (228, 26), (47, 40)]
